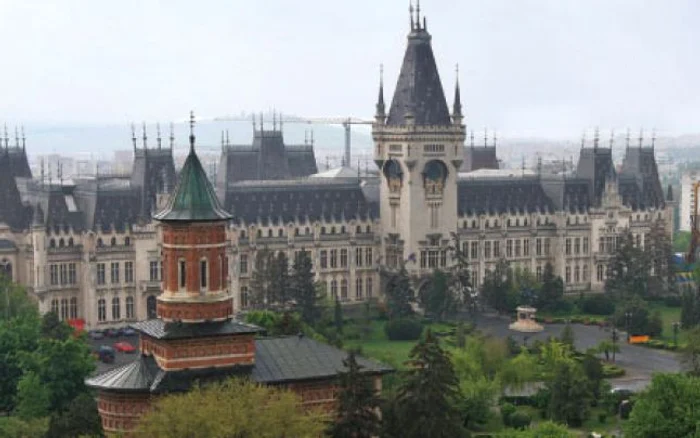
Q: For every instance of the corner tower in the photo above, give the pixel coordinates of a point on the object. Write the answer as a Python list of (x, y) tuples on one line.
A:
[(418, 148)]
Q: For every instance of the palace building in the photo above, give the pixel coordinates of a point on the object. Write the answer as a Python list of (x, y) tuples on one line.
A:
[(90, 250)]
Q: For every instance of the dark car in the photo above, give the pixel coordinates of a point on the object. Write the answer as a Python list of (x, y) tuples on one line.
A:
[(96, 334), (128, 332), (113, 333), (106, 354)]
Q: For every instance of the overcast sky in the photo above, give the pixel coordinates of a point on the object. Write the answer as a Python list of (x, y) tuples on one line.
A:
[(528, 67)]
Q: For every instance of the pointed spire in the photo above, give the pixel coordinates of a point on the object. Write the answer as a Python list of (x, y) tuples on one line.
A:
[(254, 127), (471, 137), (486, 137), (539, 164), (494, 138), (418, 14), (24, 139), (612, 138), (145, 136), (312, 136), (228, 143), (160, 140), (222, 140), (457, 106), (262, 123), (16, 137), (43, 177), (172, 135), (7, 139), (358, 170), (410, 13), (627, 139), (583, 139), (280, 120), (133, 135), (306, 137), (641, 137), (596, 138), (192, 132), (653, 138), (381, 108), (274, 120)]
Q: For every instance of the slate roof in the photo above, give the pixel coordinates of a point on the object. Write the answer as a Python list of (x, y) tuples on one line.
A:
[(267, 158), (194, 198), (307, 200), (19, 162), (153, 172), (498, 196), (159, 329), (12, 211), (476, 158), (639, 164), (294, 358), (418, 90), (277, 361), (596, 165)]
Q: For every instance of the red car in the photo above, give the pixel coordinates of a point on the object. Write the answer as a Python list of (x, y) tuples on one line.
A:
[(124, 347)]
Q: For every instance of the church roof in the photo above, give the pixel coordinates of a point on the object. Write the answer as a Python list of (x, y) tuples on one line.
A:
[(419, 91), (194, 198), (159, 329), (338, 172)]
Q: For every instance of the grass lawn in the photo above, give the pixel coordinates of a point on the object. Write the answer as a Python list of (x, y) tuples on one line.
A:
[(377, 346), (669, 315)]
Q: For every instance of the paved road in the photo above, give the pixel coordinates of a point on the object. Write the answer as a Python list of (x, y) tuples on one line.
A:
[(119, 358), (639, 362)]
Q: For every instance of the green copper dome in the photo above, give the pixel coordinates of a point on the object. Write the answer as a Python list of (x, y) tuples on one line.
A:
[(194, 199)]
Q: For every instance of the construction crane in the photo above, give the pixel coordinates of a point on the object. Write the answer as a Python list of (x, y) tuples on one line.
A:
[(345, 122), (695, 232)]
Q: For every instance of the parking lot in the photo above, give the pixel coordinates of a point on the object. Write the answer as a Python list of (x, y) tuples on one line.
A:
[(119, 357)]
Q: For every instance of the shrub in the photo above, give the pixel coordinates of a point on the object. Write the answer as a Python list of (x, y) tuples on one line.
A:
[(612, 371), (403, 329), (602, 417), (507, 409), (672, 300), (598, 304), (519, 420)]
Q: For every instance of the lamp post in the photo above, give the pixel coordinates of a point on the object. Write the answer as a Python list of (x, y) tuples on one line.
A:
[(614, 341), (676, 326), (628, 321)]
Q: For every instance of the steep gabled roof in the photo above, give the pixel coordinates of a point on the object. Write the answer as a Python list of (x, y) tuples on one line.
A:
[(194, 199), (419, 91)]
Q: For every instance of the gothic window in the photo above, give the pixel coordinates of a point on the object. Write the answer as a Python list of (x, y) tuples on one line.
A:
[(70, 241), (517, 247), (358, 230), (343, 258), (101, 310), (324, 259), (600, 272), (538, 273), (434, 176), (243, 264), (474, 252), (73, 308), (393, 174), (358, 288), (585, 245), (280, 233), (343, 289), (101, 277), (306, 231), (334, 258), (538, 246), (241, 235), (568, 246), (259, 233), (113, 241), (577, 274), (342, 229), (526, 247), (64, 309), (567, 276), (577, 245), (509, 248), (269, 233), (369, 229), (332, 230), (61, 243), (487, 249), (368, 257), (127, 241), (99, 242), (323, 230), (584, 274), (128, 272), (358, 257), (244, 297), (496, 249), (129, 307), (368, 288), (114, 271), (52, 243), (151, 307)]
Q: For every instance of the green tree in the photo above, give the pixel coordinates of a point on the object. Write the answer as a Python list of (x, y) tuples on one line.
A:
[(303, 287), (338, 316), (428, 397), (690, 308), (498, 290), (358, 404), (552, 289), (398, 293), (15, 302), (460, 282), (570, 396), (33, 398), (52, 327), (594, 373), (18, 337), (669, 408), (261, 279), (545, 429), (567, 336), (234, 408), (628, 270), (478, 395), (436, 298), (279, 278), (690, 354), (608, 348), (80, 418)]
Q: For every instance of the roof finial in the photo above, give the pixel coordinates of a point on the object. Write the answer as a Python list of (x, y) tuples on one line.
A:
[(43, 178), (472, 138), (596, 138), (280, 120), (222, 140), (145, 137), (457, 106), (133, 135), (192, 131), (159, 138), (274, 120), (306, 137), (410, 12), (583, 139), (16, 137), (653, 138), (641, 137), (539, 164), (494, 138), (24, 139), (228, 143), (262, 123), (627, 138), (172, 135), (486, 137), (358, 169), (612, 138), (328, 164), (312, 136), (381, 108), (7, 139), (418, 14)]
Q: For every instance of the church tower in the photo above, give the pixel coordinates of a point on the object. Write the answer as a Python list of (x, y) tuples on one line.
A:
[(418, 147)]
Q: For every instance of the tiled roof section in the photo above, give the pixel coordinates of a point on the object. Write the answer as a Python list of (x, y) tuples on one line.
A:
[(596, 165), (576, 196), (137, 376), (12, 211), (19, 162), (497, 196), (118, 209), (267, 158), (476, 158), (194, 198), (61, 211), (641, 163), (153, 172), (295, 358), (159, 329), (303, 200), (418, 90)]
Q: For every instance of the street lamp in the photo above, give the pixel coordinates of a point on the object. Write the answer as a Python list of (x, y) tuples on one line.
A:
[(676, 326), (628, 321), (614, 341)]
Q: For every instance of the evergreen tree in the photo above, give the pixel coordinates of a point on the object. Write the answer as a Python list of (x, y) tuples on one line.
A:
[(570, 396), (567, 336), (552, 289), (338, 316), (436, 298), (280, 280), (658, 249), (304, 288), (399, 294), (460, 282), (427, 399), (358, 404), (497, 288), (260, 279), (628, 270)]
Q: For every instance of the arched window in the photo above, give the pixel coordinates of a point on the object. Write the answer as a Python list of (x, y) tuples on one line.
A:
[(113, 241), (600, 272), (358, 288), (52, 243), (182, 273), (130, 307), (242, 234), (368, 288), (464, 224), (334, 289), (73, 308), (342, 229), (70, 241), (127, 241), (259, 233), (64, 309), (306, 231), (151, 307), (203, 274), (369, 229), (101, 310), (296, 231), (280, 233), (358, 230), (487, 223), (244, 297), (343, 289), (116, 309), (99, 242), (474, 223), (323, 230), (332, 230), (577, 274), (54, 306), (269, 233), (61, 242)]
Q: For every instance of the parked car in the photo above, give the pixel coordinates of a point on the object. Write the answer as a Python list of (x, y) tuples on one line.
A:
[(96, 335), (112, 333), (124, 347), (128, 331), (105, 354)]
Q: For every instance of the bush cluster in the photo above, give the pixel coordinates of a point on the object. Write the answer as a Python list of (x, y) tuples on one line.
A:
[(403, 329), (597, 304)]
